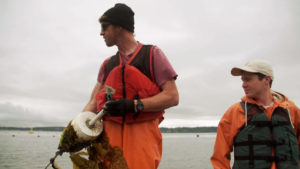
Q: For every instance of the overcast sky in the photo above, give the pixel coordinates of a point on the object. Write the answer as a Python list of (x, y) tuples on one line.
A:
[(51, 51)]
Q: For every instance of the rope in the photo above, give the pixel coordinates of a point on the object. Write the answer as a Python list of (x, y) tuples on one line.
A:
[(60, 152)]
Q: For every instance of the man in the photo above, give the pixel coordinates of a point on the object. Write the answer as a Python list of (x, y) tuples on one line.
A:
[(263, 129), (144, 84)]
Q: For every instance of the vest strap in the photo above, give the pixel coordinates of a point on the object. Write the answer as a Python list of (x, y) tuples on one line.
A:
[(267, 158), (268, 123), (261, 142)]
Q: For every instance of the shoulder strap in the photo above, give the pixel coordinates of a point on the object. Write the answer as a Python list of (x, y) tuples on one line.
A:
[(144, 61), (282, 113), (250, 110), (243, 104), (110, 64)]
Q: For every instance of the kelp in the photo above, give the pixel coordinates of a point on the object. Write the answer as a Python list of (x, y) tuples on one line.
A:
[(55, 166), (69, 141), (101, 155)]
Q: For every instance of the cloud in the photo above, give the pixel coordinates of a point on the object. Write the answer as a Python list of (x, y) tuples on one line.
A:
[(16, 115), (50, 54)]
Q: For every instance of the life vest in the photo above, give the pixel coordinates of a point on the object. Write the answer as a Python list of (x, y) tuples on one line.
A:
[(132, 80), (254, 144)]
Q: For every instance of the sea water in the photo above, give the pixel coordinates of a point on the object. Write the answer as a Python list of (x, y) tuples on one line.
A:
[(21, 150)]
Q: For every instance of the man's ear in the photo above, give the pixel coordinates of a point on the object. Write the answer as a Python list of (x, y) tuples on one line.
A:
[(268, 79)]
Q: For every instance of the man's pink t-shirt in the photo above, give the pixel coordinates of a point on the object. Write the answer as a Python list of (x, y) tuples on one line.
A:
[(162, 69)]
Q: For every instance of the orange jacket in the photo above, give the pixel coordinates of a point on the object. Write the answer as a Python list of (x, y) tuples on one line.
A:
[(234, 119)]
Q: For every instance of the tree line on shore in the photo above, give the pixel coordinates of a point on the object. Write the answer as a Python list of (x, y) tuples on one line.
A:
[(162, 129)]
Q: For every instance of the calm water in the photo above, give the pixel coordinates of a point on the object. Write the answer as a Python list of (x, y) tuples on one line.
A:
[(23, 150)]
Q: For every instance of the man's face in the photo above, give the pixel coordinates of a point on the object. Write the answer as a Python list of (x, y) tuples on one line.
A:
[(109, 33), (253, 86)]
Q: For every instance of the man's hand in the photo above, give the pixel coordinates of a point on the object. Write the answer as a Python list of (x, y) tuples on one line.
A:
[(118, 107)]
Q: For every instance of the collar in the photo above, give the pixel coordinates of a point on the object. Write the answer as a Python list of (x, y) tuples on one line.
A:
[(276, 102)]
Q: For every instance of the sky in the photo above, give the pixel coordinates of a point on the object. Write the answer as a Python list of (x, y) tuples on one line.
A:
[(51, 52)]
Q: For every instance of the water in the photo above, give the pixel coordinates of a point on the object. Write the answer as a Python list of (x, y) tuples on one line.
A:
[(18, 150)]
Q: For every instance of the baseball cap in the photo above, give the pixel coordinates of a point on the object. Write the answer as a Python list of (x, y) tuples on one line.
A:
[(256, 66)]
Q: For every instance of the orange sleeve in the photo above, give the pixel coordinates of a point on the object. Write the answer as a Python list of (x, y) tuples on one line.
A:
[(295, 115), (297, 126), (227, 129)]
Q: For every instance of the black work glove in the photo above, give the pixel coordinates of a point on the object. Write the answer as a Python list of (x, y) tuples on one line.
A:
[(118, 107)]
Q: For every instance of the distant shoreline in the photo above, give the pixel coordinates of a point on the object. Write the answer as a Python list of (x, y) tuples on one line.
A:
[(162, 129)]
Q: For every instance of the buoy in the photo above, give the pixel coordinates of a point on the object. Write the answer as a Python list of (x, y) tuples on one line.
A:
[(82, 130), (31, 131), (87, 124), (85, 130)]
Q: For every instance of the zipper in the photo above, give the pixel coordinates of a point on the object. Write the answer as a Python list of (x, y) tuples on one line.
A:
[(124, 96), (124, 89), (123, 81)]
